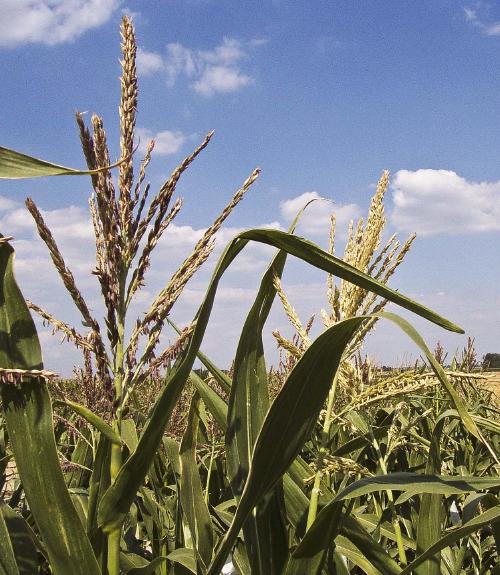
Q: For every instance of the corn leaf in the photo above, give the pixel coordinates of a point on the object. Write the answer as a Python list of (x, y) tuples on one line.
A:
[(116, 502), (417, 483), (15, 165), (8, 563), (467, 420), (23, 539), (191, 491), (313, 254), (289, 422), (92, 418), (489, 517), (184, 557), (264, 530), (215, 404), (28, 415), (429, 517)]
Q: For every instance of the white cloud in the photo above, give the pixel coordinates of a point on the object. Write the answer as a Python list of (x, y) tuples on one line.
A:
[(489, 28), (220, 79), (148, 62), (166, 142), (316, 218), (7, 204), (440, 201), (208, 71), (51, 21)]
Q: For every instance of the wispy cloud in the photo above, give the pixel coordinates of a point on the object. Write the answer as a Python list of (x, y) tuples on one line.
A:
[(51, 21), (442, 202), (316, 218), (208, 71), (148, 62), (166, 141), (488, 28)]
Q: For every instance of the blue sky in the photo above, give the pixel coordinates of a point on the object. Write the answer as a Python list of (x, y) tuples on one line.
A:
[(321, 95)]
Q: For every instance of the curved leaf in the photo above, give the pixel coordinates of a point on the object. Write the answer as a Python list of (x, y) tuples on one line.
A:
[(15, 165), (417, 483), (117, 500), (92, 418), (490, 517), (28, 414)]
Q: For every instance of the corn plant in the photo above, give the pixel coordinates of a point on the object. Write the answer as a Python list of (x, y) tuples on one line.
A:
[(129, 498)]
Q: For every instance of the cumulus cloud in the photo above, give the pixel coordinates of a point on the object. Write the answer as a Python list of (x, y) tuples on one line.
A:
[(51, 21), (148, 62), (208, 71), (440, 201), (488, 28), (316, 218), (167, 142)]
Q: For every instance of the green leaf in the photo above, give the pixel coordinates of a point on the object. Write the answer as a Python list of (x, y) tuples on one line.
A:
[(28, 415), (490, 517), (22, 540), (429, 516), (117, 501), (371, 550), (99, 482), (15, 165), (441, 375), (191, 492), (92, 418), (184, 557), (214, 403), (310, 555), (148, 569), (313, 254), (265, 531), (417, 483), (8, 563), (289, 422)]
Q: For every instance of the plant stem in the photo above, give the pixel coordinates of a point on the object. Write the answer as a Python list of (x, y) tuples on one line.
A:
[(114, 536), (325, 434)]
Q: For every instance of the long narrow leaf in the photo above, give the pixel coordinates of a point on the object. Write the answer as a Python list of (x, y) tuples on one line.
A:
[(191, 492), (117, 501), (8, 563), (429, 517), (289, 422), (93, 419), (417, 483), (15, 165), (490, 517), (28, 414)]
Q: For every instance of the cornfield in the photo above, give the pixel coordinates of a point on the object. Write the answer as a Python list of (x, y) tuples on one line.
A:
[(324, 464)]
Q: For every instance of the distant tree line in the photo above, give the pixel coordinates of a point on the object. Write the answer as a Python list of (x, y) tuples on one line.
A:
[(491, 361)]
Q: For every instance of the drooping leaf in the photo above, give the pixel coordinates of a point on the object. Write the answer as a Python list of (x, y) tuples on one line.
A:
[(8, 563), (467, 420), (117, 501), (15, 165), (92, 418), (418, 483), (184, 557)]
